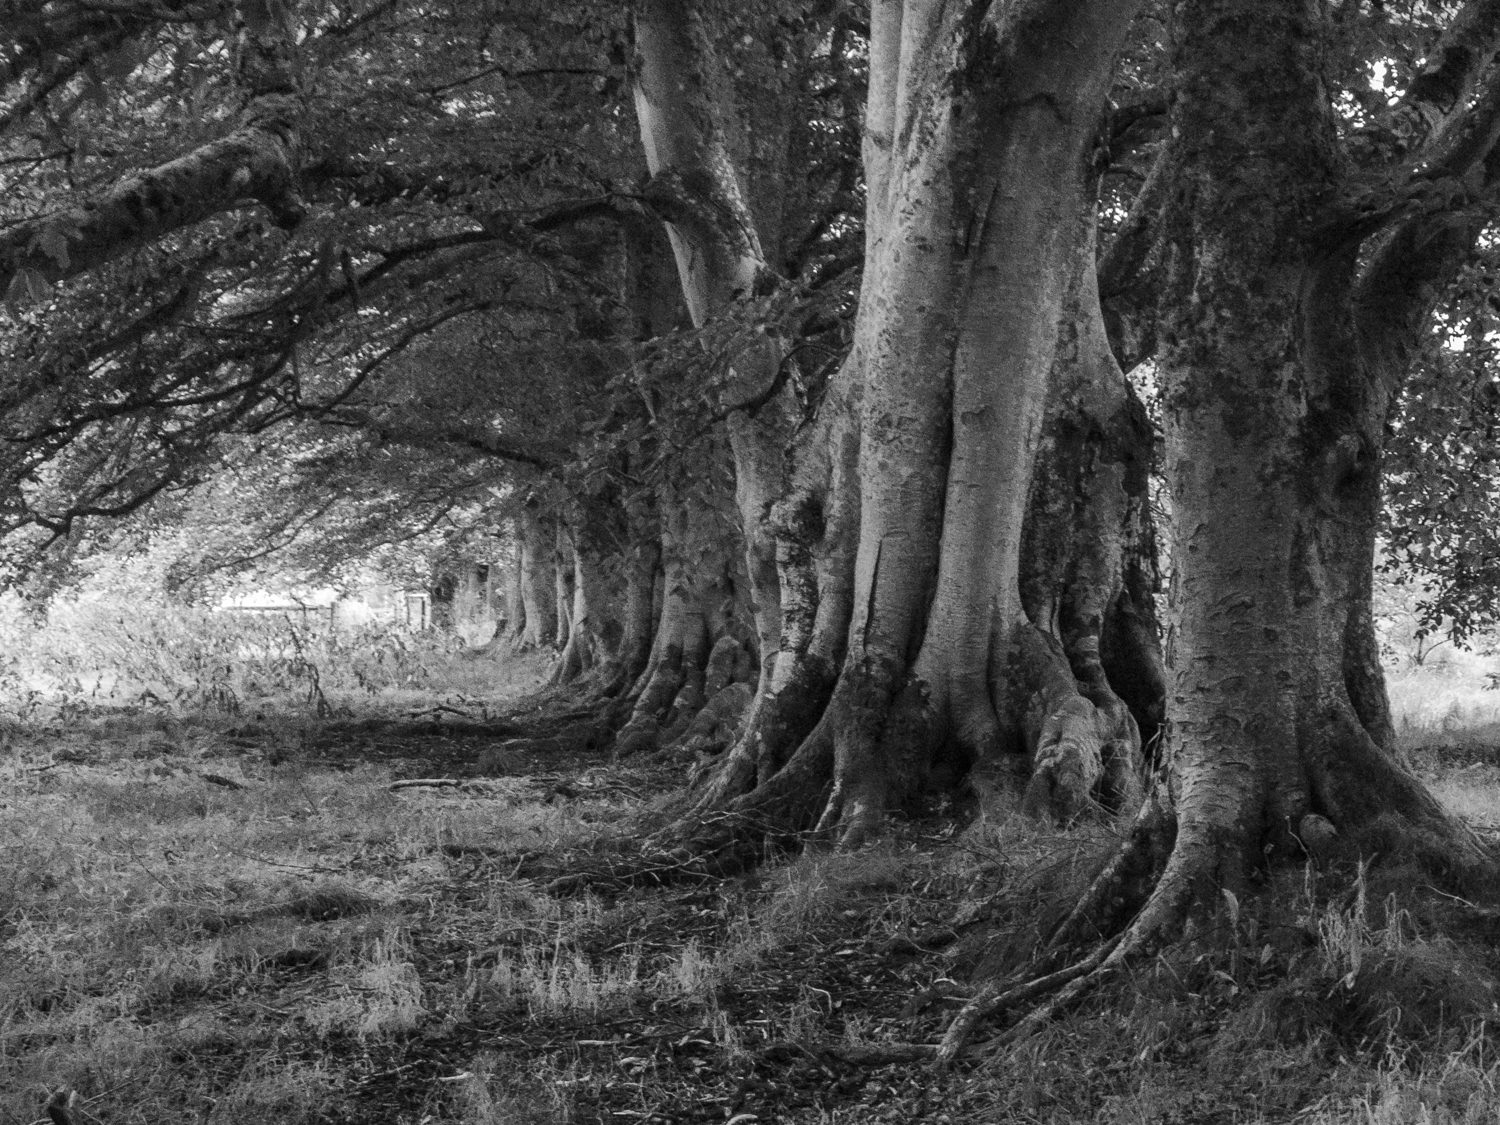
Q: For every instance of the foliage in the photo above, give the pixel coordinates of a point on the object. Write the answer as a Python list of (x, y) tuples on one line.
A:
[(452, 305), (88, 656)]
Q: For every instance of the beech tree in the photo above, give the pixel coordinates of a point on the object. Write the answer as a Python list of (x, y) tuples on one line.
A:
[(1305, 252), (158, 298), (371, 323), (918, 633), (934, 558), (1305, 260)]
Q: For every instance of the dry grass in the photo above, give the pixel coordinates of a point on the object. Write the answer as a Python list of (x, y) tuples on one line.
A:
[(303, 944), (148, 917), (90, 656), (1449, 701)]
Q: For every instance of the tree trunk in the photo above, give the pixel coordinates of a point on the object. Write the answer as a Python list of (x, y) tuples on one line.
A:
[(1275, 396), (904, 526), (678, 98), (515, 607), (698, 610), (1085, 677), (581, 647), (538, 584), (638, 612), (562, 579)]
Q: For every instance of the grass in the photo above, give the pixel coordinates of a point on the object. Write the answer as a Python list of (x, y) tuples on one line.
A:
[(88, 657), (1449, 703), (247, 924)]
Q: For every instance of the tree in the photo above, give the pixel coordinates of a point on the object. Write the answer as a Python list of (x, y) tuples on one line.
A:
[(947, 558), (1304, 256), (460, 298), (906, 645), (423, 251), (1294, 312)]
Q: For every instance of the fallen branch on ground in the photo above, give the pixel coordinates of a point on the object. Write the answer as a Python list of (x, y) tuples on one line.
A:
[(221, 780)]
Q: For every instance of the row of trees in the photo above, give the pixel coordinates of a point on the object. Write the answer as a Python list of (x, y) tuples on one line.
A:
[(787, 341)]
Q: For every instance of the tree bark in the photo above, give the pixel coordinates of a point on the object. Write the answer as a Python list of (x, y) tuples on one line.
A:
[(679, 98), (538, 583), (638, 613), (902, 533), (699, 607), (515, 607), (1283, 340), (562, 580)]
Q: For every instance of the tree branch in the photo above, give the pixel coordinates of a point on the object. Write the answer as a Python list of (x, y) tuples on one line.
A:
[(258, 161)]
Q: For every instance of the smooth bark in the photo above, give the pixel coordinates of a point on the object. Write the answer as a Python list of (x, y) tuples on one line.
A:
[(538, 582), (680, 105), (901, 534)]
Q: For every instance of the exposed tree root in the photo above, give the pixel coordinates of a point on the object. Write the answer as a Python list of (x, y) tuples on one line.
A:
[(999, 995), (1125, 882), (717, 847), (1108, 915), (1164, 874)]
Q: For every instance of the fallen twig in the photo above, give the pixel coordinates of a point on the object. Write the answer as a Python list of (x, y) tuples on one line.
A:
[(882, 1054), (439, 709), (220, 779)]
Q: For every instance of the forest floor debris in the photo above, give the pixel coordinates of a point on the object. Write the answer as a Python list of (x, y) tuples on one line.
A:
[(296, 923)]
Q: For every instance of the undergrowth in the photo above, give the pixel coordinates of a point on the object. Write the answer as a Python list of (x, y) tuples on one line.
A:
[(81, 658), (204, 920)]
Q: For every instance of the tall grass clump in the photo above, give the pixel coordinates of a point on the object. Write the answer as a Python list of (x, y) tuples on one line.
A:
[(1452, 702), (88, 654)]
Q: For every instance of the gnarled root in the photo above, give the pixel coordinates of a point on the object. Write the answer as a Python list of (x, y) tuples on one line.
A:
[(999, 995), (1109, 914)]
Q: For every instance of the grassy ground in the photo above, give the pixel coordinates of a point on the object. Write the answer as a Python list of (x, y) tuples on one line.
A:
[(227, 920)]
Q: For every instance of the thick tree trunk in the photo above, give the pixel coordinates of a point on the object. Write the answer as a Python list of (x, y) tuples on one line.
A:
[(584, 644), (515, 606), (816, 527), (679, 99), (905, 519), (1273, 455), (538, 583), (1278, 735), (562, 580), (1089, 576), (976, 256), (638, 613), (698, 615)]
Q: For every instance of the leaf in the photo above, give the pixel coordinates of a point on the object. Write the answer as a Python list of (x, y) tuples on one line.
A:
[(1233, 904), (53, 243), (15, 296), (123, 62), (36, 283)]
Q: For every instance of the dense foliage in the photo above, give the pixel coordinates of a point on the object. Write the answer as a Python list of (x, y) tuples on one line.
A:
[(437, 313)]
